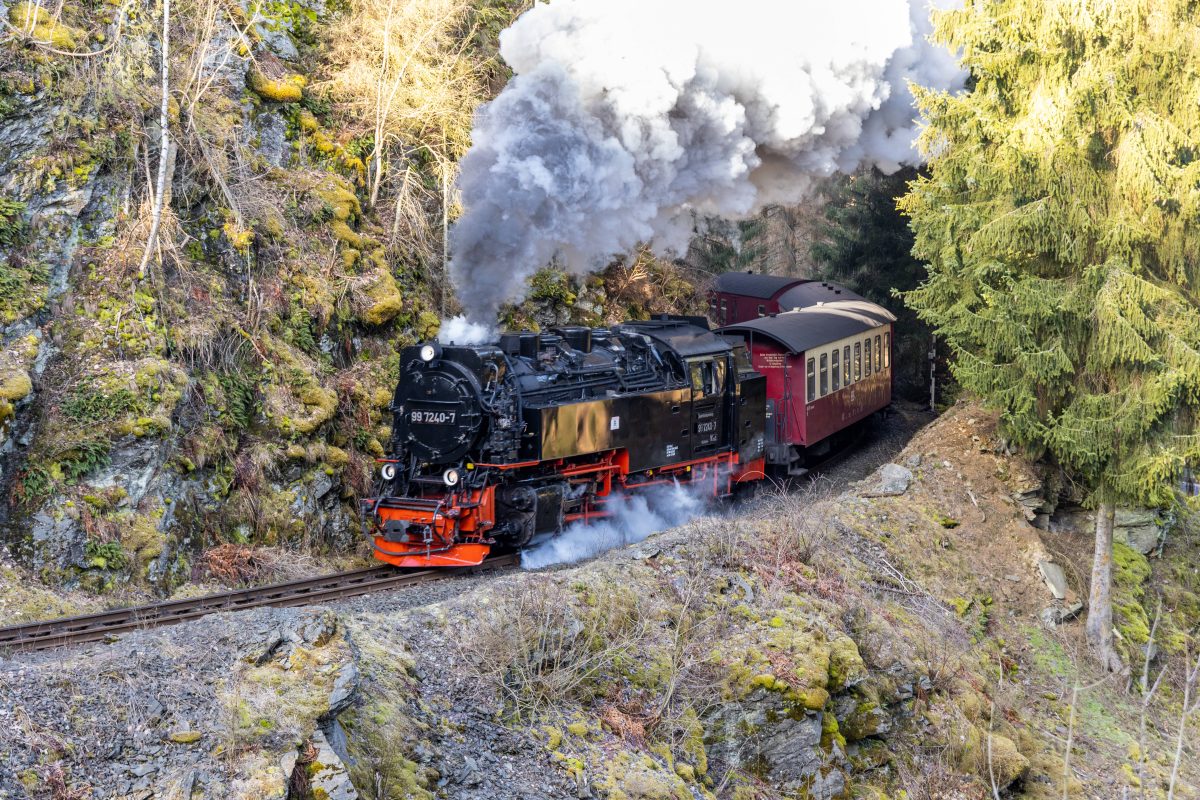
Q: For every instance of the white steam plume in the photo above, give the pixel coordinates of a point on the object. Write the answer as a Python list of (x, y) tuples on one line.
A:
[(461, 331), (632, 517), (628, 119)]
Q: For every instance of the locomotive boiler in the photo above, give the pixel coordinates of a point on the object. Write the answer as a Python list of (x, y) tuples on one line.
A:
[(493, 444)]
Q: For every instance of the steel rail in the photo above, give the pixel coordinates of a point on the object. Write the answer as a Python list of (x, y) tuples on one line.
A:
[(47, 634)]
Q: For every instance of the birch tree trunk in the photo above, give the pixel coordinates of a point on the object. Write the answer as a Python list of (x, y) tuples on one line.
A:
[(165, 150), (1099, 619)]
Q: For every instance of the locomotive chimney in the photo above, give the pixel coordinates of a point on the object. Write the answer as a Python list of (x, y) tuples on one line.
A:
[(531, 345), (577, 337), (526, 344)]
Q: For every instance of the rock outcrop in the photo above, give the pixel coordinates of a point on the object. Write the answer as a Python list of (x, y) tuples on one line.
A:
[(234, 706)]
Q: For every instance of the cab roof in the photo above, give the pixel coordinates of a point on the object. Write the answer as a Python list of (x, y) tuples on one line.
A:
[(687, 336)]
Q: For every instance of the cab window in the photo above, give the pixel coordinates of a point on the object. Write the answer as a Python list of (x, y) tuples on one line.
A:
[(708, 378), (837, 371), (812, 380), (741, 359), (887, 350), (762, 311)]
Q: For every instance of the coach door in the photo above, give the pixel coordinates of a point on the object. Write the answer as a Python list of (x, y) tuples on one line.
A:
[(708, 403)]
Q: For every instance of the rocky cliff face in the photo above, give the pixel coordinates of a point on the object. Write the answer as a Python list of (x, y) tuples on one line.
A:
[(233, 391)]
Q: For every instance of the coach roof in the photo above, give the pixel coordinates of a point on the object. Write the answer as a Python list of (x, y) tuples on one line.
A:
[(809, 293), (816, 325), (749, 284)]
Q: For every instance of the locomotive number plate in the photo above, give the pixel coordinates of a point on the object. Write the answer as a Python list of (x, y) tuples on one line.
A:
[(706, 427), (432, 417)]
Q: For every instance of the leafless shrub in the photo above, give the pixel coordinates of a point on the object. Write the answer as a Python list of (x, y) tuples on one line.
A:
[(783, 529), (538, 648), (941, 656), (1189, 706), (56, 781), (403, 69), (930, 777)]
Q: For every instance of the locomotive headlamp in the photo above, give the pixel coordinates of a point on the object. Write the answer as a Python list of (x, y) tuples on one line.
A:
[(388, 471), (429, 352), (451, 477)]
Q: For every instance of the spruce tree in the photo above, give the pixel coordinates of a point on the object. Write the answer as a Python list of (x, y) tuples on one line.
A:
[(1059, 223), (864, 243)]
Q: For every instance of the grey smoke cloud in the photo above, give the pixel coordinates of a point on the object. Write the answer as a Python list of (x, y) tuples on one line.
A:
[(626, 120)]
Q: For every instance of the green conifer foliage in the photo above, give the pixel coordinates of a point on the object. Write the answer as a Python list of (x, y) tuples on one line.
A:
[(865, 244), (1061, 223)]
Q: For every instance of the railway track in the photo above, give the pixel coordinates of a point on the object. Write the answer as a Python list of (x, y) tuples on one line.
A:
[(103, 626)]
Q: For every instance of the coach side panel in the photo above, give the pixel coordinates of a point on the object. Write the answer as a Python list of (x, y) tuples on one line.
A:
[(845, 382)]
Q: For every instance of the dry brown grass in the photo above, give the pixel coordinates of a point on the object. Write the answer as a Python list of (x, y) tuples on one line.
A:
[(400, 71), (240, 565), (537, 648)]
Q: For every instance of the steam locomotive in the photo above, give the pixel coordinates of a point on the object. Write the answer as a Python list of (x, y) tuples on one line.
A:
[(493, 444)]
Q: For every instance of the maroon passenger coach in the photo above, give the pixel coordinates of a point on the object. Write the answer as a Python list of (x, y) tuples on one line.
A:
[(827, 359)]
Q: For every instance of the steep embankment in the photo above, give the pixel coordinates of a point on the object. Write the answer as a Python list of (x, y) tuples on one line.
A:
[(884, 639), (228, 388)]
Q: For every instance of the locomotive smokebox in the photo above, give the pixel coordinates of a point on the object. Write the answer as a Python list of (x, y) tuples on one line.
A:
[(437, 409)]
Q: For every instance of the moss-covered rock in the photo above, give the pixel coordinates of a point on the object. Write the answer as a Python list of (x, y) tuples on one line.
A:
[(37, 21), (15, 385), (286, 89), (387, 301)]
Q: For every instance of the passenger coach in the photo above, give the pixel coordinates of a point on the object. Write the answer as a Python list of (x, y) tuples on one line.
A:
[(828, 365)]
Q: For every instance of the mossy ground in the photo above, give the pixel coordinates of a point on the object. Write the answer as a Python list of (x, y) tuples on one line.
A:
[(667, 671)]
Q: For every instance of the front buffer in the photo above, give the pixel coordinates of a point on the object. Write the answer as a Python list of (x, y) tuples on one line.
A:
[(441, 531)]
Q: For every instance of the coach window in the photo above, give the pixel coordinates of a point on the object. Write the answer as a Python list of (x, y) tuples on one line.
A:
[(837, 370), (812, 380), (846, 361), (878, 354), (762, 311), (824, 374), (887, 349), (867, 357), (858, 361)]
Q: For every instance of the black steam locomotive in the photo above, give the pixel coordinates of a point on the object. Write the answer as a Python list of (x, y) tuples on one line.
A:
[(495, 443)]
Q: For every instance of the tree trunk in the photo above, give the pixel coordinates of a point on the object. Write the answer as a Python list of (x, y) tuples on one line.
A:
[(165, 150), (933, 372), (1099, 620)]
